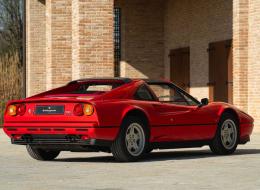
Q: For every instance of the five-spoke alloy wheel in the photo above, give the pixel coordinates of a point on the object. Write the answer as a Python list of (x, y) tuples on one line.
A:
[(229, 134), (135, 139), (226, 138), (132, 141)]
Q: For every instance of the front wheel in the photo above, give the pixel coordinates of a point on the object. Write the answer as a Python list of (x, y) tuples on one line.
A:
[(227, 135), (41, 154), (132, 141)]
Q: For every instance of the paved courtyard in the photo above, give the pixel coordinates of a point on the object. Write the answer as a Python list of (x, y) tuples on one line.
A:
[(169, 169)]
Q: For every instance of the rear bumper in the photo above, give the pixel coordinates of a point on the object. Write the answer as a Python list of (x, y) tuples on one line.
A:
[(72, 140), (59, 134)]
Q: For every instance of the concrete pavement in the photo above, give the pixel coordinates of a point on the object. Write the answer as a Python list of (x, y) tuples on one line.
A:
[(169, 169)]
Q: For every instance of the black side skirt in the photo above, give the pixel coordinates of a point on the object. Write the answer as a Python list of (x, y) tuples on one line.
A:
[(183, 144)]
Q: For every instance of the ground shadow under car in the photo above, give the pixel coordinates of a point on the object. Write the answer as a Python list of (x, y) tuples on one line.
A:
[(162, 156)]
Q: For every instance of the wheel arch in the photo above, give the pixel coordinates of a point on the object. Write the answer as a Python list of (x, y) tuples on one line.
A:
[(232, 112), (120, 152), (136, 112)]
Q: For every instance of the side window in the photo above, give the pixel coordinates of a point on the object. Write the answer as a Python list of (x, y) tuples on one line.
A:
[(168, 95), (190, 101), (143, 93)]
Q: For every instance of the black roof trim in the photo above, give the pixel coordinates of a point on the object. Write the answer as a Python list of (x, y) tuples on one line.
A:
[(125, 80), (151, 80)]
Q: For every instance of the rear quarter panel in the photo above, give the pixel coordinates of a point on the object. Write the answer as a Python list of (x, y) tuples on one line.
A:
[(112, 112)]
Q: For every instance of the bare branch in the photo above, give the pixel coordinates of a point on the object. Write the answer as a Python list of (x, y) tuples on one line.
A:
[(12, 23)]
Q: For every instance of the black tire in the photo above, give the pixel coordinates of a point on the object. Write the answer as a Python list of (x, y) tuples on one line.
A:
[(40, 154), (119, 147), (217, 146)]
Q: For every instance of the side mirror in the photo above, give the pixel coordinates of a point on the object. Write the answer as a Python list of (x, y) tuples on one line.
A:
[(204, 102)]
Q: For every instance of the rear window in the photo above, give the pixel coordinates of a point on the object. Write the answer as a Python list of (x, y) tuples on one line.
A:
[(95, 88)]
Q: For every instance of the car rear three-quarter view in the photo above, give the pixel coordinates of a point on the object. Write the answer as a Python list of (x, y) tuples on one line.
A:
[(128, 117)]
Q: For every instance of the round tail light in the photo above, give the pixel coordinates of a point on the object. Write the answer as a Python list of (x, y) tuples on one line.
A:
[(21, 109), (78, 110), (11, 110), (83, 109), (88, 109)]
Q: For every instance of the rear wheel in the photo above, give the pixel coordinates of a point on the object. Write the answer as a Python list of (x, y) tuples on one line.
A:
[(41, 154), (227, 135), (132, 141)]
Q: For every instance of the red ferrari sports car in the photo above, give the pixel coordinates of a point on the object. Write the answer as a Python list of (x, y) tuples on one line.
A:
[(128, 117)]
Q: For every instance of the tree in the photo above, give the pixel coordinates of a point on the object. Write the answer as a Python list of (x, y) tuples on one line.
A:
[(11, 27)]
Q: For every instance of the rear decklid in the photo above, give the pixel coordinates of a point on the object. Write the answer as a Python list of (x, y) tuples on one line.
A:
[(55, 109), (43, 114)]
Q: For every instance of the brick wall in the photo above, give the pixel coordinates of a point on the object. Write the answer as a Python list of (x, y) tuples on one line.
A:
[(240, 53), (75, 40), (68, 40), (254, 61), (92, 39), (59, 43), (35, 47), (142, 38), (246, 48), (95, 32), (196, 24)]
